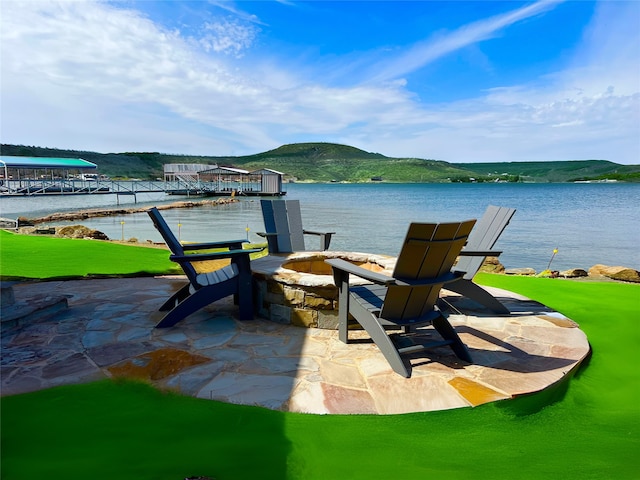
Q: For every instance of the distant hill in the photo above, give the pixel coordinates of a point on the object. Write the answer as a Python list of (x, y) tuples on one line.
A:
[(326, 162), (558, 171)]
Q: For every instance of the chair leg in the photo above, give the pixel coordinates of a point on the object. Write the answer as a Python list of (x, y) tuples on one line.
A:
[(244, 295), (380, 337), (176, 298), (341, 280), (478, 294), (325, 240), (190, 305), (343, 326), (199, 299), (444, 328)]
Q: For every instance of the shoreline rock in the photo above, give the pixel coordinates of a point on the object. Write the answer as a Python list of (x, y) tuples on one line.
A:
[(574, 273), (526, 271), (492, 265), (107, 212), (596, 272), (623, 274)]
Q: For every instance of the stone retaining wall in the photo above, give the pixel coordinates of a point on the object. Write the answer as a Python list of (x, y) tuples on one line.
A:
[(298, 288)]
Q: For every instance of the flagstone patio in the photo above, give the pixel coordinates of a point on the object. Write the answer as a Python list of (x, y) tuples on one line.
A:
[(107, 331)]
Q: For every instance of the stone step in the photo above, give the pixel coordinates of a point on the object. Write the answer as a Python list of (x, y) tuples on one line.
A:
[(19, 312)]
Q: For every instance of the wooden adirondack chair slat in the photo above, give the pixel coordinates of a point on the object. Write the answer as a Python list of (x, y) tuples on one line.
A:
[(283, 227), (482, 238), (409, 298), (206, 287), (294, 216)]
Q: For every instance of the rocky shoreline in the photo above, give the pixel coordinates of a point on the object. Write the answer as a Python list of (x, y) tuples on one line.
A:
[(106, 212), (596, 272)]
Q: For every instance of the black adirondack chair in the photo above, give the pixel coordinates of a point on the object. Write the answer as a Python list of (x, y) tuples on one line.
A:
[(283, 225), (206, 287), (407, 299), (479, 246)]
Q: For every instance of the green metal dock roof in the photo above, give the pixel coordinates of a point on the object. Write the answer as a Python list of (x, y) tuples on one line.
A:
[(44, 162)]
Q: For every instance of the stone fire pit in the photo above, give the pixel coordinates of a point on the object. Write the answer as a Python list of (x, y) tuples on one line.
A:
[(298, 288)]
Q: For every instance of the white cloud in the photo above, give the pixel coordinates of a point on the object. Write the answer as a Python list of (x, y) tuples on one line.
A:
[(228, 37), (590, 128), (77, 59), (130, 65), (88, 75), (590, 110), (232, 8), (432, 49)]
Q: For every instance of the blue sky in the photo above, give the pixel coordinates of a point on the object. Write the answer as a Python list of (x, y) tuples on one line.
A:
[(456, 81)]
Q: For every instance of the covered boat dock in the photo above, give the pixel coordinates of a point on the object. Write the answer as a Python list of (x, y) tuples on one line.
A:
[(45, 175), (68, 176)]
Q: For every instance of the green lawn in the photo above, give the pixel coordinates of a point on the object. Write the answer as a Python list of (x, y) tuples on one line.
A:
[(123, 430), (33, 256), (42, 257)]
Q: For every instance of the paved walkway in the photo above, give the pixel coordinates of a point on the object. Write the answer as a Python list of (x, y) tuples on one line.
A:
[(107, 331)]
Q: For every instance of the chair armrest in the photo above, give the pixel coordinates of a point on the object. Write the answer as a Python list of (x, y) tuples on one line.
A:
[(233, 244), (311, 232), (480, 253), (325, 238), (198, 257), (343, 265), (446, 278), (378, 278)]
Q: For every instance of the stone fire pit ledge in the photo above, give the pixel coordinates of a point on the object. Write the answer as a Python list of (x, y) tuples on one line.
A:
[(298, 288)]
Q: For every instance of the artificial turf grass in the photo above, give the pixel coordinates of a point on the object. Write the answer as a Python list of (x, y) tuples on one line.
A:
[(608, 312), (109, 430), (126, 430), (32, 256), (48, 258), (593, 431)]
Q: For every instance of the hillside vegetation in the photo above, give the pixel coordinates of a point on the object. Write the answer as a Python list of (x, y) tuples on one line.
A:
[(557, 171), (326, 162)]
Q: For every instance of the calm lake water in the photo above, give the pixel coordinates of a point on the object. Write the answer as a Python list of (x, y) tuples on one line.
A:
[(587, 223)]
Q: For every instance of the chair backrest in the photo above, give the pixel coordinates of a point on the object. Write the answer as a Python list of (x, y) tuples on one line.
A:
[(428, 252), (283, 224), (172, 242), (483, 237)]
